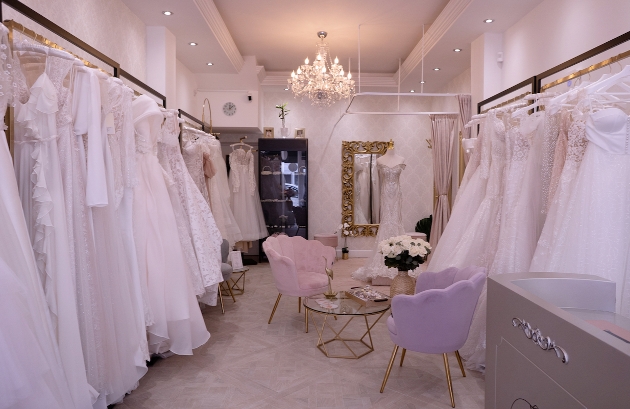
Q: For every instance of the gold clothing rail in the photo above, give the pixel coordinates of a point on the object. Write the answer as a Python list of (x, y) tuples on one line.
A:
[(508, 102)]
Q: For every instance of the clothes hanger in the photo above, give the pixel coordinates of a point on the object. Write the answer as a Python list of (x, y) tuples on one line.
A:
[(240, 143)]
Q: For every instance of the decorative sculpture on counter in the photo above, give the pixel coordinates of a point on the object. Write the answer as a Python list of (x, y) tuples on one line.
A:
[(329, 273)]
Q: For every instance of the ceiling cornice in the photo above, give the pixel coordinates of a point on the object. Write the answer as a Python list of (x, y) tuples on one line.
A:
[(367, 79), (440, 26), (214, 20)]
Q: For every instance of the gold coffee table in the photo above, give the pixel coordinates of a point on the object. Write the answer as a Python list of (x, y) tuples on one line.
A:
[(346, 307), (238, 289)]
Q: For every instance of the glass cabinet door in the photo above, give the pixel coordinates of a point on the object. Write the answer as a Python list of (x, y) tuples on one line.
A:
[(283, 175)]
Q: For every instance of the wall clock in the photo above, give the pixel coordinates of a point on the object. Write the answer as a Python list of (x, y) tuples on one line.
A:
[(229, 108)]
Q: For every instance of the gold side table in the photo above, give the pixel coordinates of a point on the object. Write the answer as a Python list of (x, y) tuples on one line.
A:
[(346, 307), (238, 289)]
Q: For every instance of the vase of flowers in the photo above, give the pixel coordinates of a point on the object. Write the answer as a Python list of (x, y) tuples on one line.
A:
[(345, 253), (404, 253), (284, 131)]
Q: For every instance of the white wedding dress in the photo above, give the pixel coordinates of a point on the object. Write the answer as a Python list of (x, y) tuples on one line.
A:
[(200, 226), (177, 321), (390, 224), (244, 198)]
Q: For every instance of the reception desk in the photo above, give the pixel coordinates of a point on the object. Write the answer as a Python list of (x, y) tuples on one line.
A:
[(554, 341)]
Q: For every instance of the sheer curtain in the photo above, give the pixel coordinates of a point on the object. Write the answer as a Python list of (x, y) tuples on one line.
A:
[(442, 136), (465, 113)]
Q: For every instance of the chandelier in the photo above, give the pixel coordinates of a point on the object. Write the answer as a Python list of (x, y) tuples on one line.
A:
[(323, 81)]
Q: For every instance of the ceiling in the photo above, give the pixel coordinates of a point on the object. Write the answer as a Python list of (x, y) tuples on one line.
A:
[(281, 33)]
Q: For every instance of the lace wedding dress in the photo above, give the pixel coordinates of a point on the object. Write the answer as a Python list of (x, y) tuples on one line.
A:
[(200, 226), (177, 321), (244, 198), (390, 225)]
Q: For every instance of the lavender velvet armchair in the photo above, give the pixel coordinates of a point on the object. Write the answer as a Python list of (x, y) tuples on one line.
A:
[(298, 267), (437, 318)]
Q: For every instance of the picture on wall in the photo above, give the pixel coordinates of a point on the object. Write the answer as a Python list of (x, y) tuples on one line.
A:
[(300, 133), (268, 132)]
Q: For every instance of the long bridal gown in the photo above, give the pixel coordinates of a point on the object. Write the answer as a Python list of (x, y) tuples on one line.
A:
[(177, 321), (390, 226), (200, 226), (40, 182), (32, 374), (244, 198)]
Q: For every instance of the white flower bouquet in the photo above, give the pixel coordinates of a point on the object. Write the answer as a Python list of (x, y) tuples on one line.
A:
[(404, 252), (345, 232)]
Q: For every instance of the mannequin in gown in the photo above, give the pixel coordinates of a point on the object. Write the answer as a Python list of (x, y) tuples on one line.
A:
[(244, 198), (389, 166), (177, 321)]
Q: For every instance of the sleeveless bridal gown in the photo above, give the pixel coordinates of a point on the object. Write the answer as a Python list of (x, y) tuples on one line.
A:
[(177, 321), (390, 226)]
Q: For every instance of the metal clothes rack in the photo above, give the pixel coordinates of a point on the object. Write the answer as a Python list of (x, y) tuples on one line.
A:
[(536, 80), (182, 113)]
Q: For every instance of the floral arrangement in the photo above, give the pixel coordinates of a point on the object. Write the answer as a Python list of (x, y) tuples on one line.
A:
[(345, 233), (404, 252), (283, 112)]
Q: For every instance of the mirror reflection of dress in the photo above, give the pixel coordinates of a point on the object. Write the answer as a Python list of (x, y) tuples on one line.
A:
[(391, 223), (361, 192)]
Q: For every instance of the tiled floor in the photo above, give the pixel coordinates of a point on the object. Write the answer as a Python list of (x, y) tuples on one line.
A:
[(250, 364)]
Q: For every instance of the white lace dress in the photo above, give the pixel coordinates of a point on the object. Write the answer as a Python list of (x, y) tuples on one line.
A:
[(200, 226), (177, 321), (390, 224), (31, 370), (244, 198), (40, 182)]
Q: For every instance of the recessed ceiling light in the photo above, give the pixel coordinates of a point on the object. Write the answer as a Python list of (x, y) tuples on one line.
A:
[(413, 90), (488, 20), (192, 43), (286, 89), (421, 82), (210, 63), (167, 13), (436, 69), (457, 50)]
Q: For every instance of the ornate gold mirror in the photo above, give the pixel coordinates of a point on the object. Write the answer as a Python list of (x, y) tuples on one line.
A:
[(360, 193)]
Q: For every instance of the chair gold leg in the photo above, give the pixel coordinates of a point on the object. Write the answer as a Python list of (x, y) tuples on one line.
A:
[(231, 293), (461, 366), (306, 320), (448, 379), (389, 367), (221, 299), (274, 308), (299, 305), (402, 357)]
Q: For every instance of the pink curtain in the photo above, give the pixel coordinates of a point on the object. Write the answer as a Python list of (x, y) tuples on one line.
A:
[(465, 113), (442, 136)]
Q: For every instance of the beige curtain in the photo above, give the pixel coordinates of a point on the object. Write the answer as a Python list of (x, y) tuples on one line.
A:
[(442, 136), (465, 113)]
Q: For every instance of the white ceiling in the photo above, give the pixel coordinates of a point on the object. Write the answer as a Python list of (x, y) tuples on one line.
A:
[(281, 33)]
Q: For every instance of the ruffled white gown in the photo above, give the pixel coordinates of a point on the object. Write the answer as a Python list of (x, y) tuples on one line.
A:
[(244, 198), (200, 227), (32, 373), (390, 226), (177, 321), (40, 183)]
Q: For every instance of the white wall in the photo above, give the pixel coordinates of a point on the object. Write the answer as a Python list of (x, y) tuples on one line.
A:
[(186, 89), (162, 62), (107, 25), (558, 30), (408, 132)]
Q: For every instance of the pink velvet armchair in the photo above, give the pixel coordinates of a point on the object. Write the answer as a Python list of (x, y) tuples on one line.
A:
[(437, 318), (299, 267)]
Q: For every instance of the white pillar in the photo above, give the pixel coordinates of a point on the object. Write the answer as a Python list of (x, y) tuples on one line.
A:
[(485, 69), (162, 63)]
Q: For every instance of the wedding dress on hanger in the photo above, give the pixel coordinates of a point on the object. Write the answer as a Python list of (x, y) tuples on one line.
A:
[(244, 199), (199, 222), (40, 182), (32, 374), (178, 324), (390, 223)]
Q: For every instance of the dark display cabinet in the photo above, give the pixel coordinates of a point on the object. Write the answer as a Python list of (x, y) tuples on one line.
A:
[(283, 185)]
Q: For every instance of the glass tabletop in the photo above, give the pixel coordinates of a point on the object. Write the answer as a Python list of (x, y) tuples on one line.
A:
[(344, 306)]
